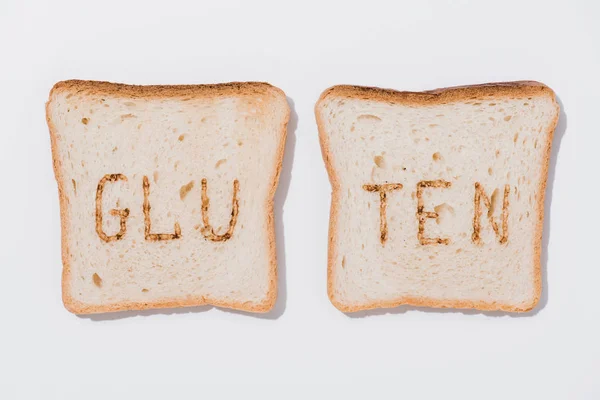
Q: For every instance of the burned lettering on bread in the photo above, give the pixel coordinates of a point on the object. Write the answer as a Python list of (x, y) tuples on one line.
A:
[(207, 230), (382, 189), (122, 214), (423, 215), (148, 235), (479, 195)]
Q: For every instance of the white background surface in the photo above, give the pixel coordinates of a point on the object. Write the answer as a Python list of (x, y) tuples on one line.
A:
[(302, 47)]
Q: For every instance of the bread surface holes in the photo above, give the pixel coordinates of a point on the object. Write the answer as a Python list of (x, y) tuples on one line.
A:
[(126, 116), (97, 280), (368, 117), (185, 189), (443, 211), (494, 202)]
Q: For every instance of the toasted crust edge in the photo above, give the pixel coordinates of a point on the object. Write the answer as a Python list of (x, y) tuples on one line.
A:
[(167, 91), (436, 97), (164, 91), (439, 96)]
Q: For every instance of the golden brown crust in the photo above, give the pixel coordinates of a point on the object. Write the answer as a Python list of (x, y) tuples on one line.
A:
[(77, 307), (98, 88), (166, 91), (540, 211), (518, 89), (434, 303), (440, 96)]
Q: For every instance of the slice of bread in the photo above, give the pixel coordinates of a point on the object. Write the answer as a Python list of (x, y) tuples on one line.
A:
[(166, 193), (438, 197)]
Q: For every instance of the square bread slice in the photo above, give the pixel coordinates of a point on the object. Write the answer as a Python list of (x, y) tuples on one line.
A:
[(438, 197), (166, 193)]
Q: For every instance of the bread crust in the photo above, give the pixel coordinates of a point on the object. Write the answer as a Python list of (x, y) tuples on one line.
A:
[(488, 91), (183, 92), (165, 91)]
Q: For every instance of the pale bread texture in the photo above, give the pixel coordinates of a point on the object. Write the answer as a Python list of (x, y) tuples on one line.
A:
[(176, 136), (493, 134)]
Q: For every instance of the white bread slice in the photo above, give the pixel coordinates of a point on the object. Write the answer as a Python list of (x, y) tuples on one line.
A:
[(449, 149), (167, 159)]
